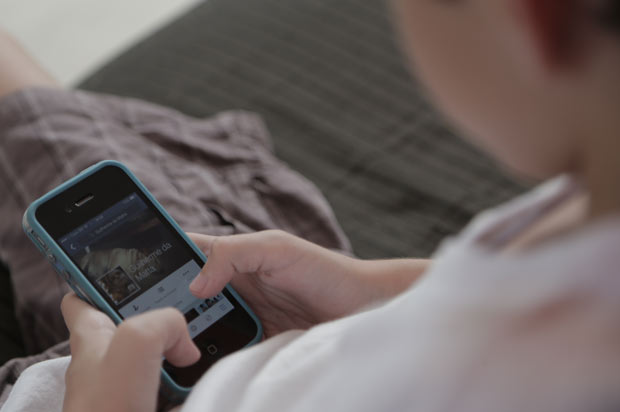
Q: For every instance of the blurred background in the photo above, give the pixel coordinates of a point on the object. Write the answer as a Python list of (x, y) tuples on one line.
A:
[(74, 37)]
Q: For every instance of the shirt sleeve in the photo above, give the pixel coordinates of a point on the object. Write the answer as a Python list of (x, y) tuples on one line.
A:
[(41, 387)]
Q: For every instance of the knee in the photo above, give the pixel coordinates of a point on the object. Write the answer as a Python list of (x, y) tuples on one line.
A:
[(19, 70)]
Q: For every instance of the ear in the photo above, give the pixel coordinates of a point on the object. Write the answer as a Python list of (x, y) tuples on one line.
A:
[(553, 26)]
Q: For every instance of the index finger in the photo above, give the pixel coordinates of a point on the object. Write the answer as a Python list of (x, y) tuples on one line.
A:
[(204, 242), (232, 255)]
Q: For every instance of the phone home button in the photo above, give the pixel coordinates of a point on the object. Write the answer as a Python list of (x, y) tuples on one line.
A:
[(211, 349)]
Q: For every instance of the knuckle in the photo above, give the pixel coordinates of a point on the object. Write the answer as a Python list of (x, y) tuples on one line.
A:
[(280, 240), (73, 370), (276, 235), (70, 373), (136, 330), (218, 246), (149, 327), (174, 315), (65, 302), (76, 340)]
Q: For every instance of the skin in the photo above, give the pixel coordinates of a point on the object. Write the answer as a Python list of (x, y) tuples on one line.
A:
[(294, 284), (536, 90), (18, 69), (118, 368), (289, 283)]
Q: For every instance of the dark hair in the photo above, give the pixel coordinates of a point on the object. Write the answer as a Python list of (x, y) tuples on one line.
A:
[(609, 14)]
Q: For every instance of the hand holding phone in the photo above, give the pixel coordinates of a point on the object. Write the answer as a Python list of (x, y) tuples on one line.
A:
[(290, 282), (118, 249), (123, 361), (295, 284)]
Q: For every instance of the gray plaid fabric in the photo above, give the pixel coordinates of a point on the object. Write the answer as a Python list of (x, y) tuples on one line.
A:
[(216, 176)]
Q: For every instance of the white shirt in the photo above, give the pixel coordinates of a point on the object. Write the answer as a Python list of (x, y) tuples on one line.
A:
[(535, 330)]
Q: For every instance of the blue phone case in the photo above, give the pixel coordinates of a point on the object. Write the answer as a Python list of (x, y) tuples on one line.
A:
[(78, 282)]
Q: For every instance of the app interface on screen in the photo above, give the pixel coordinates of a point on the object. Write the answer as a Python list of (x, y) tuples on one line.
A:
[(134, 260)]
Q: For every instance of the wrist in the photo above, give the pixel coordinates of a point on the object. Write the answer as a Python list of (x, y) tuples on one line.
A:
[(389, 278)]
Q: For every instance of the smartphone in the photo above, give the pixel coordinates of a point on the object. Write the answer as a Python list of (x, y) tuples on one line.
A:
[(119, 250)]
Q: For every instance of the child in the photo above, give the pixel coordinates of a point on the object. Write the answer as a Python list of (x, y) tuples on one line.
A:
[(517, 313)]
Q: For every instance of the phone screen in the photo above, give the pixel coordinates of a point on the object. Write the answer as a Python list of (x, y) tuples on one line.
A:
[(138, 265), (137, 261)]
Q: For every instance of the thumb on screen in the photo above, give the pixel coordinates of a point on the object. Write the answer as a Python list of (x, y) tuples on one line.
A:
[(229, 256)]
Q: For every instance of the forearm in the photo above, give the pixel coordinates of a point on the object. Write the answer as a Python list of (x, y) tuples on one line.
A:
[(389, 278)]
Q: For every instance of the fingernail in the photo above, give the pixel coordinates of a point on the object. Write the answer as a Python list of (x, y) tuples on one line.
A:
[(199, 283)]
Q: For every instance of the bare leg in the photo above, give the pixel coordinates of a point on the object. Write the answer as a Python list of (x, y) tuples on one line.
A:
[(18, 69)]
